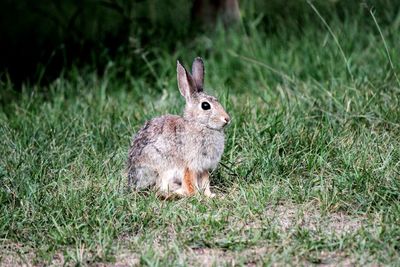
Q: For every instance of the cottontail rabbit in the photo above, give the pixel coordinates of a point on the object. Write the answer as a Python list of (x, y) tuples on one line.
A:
[(175, 153)]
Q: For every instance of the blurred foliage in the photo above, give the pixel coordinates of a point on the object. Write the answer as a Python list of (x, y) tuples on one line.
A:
[(60, 33), (56, 34)]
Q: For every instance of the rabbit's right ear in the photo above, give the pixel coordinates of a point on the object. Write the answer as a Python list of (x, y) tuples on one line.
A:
[(186, 85), (198, 73)]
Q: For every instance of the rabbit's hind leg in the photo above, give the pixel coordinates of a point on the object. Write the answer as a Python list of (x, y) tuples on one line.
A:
[(141, 177), (170, 181)]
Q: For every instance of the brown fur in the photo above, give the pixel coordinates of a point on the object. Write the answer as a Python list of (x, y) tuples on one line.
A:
[(189, 182)]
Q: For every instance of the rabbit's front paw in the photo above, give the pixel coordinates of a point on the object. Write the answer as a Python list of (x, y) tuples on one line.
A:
[(209, 194)]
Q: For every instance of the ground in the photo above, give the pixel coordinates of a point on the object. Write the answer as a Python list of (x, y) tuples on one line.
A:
[(309, 176)]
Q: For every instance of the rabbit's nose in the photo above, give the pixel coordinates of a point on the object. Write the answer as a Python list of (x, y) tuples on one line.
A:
[(226, 120)]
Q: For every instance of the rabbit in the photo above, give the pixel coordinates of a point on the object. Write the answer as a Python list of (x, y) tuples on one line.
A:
[(174, 153)]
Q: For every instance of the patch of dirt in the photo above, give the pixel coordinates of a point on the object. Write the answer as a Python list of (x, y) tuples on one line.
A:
[(207, 257), (289, 216), (123, 259), (14, 254), (332, 259)]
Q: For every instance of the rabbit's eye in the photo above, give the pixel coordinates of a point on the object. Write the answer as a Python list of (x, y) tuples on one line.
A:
[(205, 105)]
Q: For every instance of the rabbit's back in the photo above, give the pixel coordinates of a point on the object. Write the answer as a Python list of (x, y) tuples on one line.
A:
[(157, 140)]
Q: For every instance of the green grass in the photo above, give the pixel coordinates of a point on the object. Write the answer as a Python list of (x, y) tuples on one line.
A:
[(311, 167)]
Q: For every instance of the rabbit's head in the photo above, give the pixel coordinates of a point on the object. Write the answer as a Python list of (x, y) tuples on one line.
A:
[(200, 107)]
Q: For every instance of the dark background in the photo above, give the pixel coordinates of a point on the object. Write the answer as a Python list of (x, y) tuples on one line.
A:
[(40, 39)]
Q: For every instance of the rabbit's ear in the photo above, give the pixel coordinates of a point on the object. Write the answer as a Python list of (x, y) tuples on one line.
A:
[(186, 85), (198, 73)]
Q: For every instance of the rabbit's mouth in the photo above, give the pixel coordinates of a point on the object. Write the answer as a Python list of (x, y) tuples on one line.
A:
[(222, 122), (217, 125)]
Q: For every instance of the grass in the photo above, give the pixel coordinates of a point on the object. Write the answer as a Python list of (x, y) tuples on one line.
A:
[(310, 173)]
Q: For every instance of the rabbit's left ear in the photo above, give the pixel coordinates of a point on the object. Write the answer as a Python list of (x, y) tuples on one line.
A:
[(198, 73), (186, 84)]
